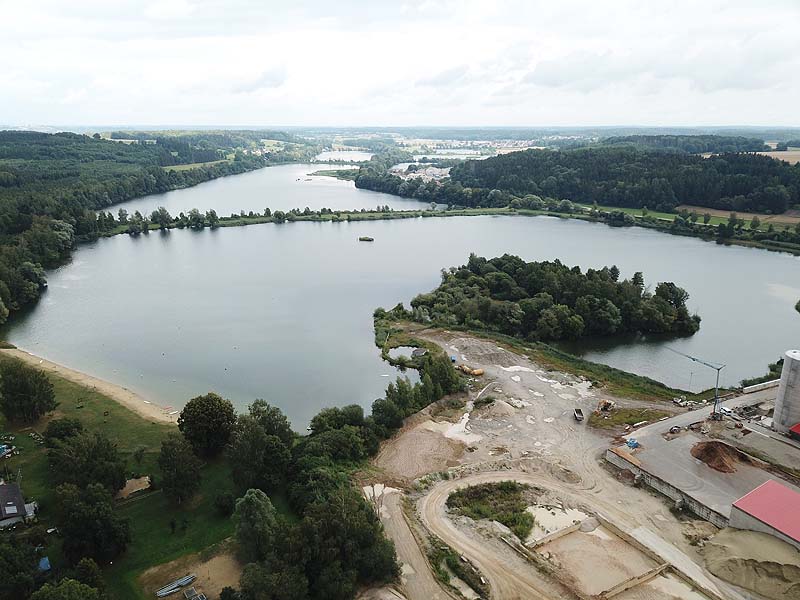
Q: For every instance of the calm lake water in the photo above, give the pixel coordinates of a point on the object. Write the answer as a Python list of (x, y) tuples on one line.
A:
[(354, 155), (284, 312), (282, 187)]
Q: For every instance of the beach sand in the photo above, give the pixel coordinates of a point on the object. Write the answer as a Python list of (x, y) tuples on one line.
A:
[(124, 396)]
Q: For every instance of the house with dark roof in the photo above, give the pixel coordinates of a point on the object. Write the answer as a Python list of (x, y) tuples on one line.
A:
[(13, 509)]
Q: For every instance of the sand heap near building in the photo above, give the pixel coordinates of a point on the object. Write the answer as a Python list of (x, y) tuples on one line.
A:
[(755, 561)]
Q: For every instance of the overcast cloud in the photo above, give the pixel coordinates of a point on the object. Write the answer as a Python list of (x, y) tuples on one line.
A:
[(413, 62)]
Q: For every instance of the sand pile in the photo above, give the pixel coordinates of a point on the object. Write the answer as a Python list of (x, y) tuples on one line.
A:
[(719, 456), (755, 561)]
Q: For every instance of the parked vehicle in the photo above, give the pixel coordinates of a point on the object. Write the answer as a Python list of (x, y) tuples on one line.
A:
[(578, 414)]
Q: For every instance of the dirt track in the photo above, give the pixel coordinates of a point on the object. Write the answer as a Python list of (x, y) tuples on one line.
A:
[(528, 434)]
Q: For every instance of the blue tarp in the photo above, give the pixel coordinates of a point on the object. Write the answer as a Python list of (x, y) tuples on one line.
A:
[(44, 564)]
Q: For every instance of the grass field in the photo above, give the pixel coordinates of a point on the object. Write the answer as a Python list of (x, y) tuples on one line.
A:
[(194, 165)]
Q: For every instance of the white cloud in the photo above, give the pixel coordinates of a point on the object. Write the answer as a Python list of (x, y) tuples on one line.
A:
[(466, 62)]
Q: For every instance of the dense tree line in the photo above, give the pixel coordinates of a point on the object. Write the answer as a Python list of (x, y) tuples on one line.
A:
[(630, 177), (337, 544), (615, 176), (693, 144), (550, 301), (53, 185)]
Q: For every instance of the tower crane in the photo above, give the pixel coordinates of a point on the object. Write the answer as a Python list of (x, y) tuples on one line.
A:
[(716, 366)]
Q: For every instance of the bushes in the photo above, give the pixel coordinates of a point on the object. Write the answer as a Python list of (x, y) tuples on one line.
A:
[(502, 502)]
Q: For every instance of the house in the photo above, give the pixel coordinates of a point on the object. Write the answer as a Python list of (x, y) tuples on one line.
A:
[(13, 509), (771, 508)]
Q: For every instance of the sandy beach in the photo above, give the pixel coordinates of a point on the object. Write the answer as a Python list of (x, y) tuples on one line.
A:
[(124, 396)]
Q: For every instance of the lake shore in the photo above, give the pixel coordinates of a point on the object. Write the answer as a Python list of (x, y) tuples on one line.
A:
[(124, 396)]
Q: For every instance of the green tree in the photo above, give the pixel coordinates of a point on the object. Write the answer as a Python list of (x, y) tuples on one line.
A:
[(89, 525), (59, 430), (207, 422), (211, 218), (257, 526), (272, 421), (196, 219), (755, 222), (66, 589), (706, 218), (87, 572), (161, 217), (85, 459), (25, 392), (180, 469), (17, 569), (258, 460), (260, 582)]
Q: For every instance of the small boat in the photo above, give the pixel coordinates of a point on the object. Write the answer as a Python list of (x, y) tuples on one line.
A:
[(366, 238)]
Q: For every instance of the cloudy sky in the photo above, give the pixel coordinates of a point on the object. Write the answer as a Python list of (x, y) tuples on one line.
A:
[(407, 62)]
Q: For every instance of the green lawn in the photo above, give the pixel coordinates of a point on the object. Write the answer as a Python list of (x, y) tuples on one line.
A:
[(198, 526)]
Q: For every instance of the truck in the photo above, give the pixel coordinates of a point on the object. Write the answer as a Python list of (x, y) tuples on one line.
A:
[(578, 414)]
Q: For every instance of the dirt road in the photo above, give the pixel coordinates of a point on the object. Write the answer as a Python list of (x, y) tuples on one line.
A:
[(416, 578), (528, 433)]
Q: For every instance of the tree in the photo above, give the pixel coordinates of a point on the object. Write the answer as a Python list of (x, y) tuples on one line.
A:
[(207, 422), (272, 421), (755, 222), (66, 589), (59, 430), (161, 217), (706, 218), (87, 572), (180, 469), (89, 524), (25, 392), (212, 218), (196, 219), (85, 459), (17, 570), (258, 460), (260, 582), (257, 527)]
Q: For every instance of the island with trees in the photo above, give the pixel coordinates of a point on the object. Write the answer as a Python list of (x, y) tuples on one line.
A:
[(548, 301)]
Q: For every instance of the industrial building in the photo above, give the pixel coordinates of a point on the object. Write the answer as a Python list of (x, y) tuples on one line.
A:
[(787, 404), (771, 508)]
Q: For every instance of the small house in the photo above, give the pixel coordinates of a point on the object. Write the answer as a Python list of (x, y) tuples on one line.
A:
[(13, 508)]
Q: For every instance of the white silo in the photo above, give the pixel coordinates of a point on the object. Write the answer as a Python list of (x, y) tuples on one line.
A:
[(787, 404)]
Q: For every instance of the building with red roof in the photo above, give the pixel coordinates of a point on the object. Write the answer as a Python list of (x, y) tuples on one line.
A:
[(795, 432), (771, 508)]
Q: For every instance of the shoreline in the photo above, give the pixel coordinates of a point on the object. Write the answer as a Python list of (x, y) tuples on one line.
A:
[(123, 396)]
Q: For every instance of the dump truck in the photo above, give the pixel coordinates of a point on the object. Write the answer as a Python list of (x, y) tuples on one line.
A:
[(578, 414)]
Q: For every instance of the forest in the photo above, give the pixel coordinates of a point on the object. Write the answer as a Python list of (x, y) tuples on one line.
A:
[(628, 177), (51, 186), (614, 176), (693, 144), (546, 301)]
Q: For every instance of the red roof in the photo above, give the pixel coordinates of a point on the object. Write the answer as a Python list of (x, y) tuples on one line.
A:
[(795, 429), (775, 505)]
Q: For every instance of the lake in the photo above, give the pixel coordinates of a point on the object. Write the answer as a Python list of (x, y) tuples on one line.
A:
[(282, 187), (284, 312), (351, 155)]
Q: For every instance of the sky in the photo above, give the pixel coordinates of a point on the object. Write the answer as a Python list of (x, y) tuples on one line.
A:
[(407, 62)]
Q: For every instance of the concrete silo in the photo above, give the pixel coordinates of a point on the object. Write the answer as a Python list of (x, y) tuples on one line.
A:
[(787, 404)]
